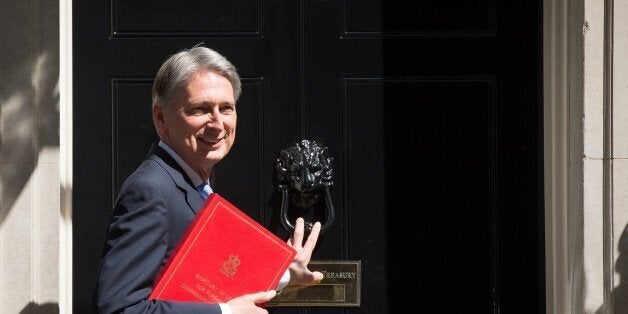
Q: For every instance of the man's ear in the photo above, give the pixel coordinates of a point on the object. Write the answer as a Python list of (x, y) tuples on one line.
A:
[(158, 119)]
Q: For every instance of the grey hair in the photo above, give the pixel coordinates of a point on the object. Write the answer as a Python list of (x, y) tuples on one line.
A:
[(176, 71)]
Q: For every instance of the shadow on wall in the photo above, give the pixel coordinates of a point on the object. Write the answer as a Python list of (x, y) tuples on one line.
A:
[(46, 308), (29, 95), (620, 292)]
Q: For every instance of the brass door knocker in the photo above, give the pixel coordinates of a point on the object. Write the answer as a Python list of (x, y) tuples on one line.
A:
[(305, 170)]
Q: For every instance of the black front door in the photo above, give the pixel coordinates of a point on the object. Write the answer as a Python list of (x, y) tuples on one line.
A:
[(431, 111)]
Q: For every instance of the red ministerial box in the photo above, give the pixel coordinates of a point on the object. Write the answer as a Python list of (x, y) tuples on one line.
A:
[(223, 254)]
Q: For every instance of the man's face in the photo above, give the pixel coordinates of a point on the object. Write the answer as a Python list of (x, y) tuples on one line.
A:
[(201, 125)]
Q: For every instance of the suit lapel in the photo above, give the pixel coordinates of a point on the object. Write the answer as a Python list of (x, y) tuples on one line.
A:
[(180, 179)]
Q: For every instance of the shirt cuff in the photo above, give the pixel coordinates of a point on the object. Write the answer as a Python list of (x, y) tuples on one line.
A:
[(224, 307), (285, 279)]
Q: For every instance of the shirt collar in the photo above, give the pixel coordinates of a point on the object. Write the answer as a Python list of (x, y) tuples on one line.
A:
[(196, 179)]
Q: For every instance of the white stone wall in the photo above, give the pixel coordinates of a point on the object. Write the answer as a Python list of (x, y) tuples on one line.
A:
[(593, 156), (586, 155), (604, 270), (619, 97), (29, 157)]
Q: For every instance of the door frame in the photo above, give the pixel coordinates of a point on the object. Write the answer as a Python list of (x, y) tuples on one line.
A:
[(563, 104), (65, 155)]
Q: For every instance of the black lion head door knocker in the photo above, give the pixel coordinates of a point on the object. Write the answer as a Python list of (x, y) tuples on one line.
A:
[(304, 173)]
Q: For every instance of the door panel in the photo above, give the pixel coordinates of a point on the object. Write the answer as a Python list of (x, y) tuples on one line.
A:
[(431, 112)]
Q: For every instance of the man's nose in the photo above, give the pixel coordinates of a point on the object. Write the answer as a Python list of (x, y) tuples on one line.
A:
[(214, 119)]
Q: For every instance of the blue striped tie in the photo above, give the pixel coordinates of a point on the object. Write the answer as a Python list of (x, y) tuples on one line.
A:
[(204, 189)]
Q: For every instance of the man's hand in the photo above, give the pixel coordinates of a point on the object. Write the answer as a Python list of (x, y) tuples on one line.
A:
[(299, 273), (248, 303)]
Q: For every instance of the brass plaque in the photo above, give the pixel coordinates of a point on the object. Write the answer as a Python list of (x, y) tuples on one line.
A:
[(340, 287)]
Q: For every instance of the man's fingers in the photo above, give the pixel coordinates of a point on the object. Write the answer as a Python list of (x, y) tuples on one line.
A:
[(318, 276), (313, 237), (262, 296), (297, 237)]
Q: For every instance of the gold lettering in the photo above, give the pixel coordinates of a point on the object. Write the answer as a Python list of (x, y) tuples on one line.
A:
[(205, 281), (339, 275), (200, 287), (208, 287), (212, 296), (193, 292)]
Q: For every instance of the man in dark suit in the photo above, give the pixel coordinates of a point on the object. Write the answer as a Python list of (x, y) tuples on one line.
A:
[(194, 112)]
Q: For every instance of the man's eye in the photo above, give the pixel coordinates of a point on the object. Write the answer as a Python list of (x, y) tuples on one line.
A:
[(227, 109), (197, 111)]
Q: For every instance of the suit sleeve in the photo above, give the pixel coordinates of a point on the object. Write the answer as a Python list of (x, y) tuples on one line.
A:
[(134, 251)]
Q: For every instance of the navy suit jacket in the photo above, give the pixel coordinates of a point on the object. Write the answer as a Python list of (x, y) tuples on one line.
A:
[(154, 207)]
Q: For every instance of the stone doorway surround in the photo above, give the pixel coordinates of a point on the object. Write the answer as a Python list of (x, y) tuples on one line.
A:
[(586, 150)]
